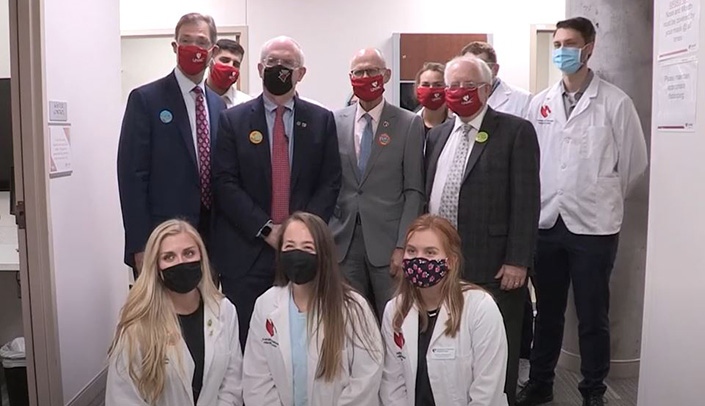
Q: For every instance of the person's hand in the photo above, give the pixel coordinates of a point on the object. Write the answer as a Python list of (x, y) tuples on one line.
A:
[(139, 260), (513, 277), (273, 236), (395, 263)]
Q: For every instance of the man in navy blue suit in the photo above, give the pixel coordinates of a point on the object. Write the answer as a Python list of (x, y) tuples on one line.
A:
[(164, 155), (276, 154)]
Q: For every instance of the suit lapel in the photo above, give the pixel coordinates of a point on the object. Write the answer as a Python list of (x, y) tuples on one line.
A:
[(213, 114), (489, 125), (301, 140), (258, 122), (445, 131), (175, 103), (385, 127), (347, 138)]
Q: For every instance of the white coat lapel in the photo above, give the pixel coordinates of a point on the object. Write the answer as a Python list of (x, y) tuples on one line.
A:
[(440, 327), (179, 358), (280, 329), (500, 96), (586, 99), (409, 341), (553, 108), (211, 331)]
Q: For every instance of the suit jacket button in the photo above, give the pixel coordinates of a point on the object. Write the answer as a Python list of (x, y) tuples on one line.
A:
[(359, 192)]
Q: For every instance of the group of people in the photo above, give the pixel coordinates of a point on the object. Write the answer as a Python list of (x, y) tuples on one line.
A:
[(368, 255)]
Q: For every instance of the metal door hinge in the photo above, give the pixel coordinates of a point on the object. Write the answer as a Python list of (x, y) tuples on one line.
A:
[(20, 218)]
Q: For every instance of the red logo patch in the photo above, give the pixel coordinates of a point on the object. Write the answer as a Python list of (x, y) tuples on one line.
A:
[(399, 340), (270, 327), (545, 111)]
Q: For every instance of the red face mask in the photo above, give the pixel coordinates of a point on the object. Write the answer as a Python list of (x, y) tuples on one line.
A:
[(368, 88), (463, 102), (223, 76), (431, 98), (192, 59)]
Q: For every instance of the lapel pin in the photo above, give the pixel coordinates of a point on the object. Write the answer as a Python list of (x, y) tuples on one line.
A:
[(481, 137), (298, 123), (303, 125), (166, 116), (256, 137), (385, 124), (384, 139), (210, 322)]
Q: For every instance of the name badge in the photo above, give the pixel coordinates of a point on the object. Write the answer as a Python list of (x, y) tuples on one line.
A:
[(443, 353)]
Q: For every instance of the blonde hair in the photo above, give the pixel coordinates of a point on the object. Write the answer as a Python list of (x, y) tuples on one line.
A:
[(148, 323), (452, 287)]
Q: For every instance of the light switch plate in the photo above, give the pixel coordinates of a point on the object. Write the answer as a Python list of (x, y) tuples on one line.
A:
[(58, 111)]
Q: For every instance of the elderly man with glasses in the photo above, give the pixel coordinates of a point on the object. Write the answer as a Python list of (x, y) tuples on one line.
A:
[(381, 149), (275, 155), (483, 176)]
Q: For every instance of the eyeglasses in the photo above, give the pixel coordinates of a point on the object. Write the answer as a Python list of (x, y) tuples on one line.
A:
[(358, 73), (200, 42), (466, 85), (272, 62)]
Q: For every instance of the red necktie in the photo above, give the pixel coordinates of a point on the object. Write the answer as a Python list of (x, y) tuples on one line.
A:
[(203, 142), (280, 170)]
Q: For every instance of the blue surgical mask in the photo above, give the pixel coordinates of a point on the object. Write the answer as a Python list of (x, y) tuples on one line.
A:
[(567, 59)]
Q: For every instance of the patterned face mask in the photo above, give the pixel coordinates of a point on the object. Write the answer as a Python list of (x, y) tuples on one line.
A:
[(423, 272)]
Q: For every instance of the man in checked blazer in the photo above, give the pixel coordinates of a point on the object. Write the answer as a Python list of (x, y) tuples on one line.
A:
[(494, 197), (382, 192)]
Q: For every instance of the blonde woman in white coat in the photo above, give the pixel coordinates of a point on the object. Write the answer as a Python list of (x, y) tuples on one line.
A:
[(177, 337), (313, 341), (445, 338)]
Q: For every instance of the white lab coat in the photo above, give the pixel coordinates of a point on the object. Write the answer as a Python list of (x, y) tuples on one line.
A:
[(222, 371), (590, 161), (509, 99), (468, 369), (267, 369)]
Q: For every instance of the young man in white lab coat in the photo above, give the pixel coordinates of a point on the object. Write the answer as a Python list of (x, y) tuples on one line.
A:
[(504, 97), (592, 153)]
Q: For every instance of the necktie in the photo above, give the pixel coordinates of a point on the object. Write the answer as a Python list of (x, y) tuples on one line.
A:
[(203, 142), (281, 175), (451, 190), (365, 144)]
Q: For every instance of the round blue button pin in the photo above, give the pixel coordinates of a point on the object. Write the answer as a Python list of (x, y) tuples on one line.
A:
[(166, 116)]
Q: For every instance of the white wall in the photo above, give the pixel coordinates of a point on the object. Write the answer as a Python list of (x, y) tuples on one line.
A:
[(4, 39), (672, 356), (331, 31), (82, 67)]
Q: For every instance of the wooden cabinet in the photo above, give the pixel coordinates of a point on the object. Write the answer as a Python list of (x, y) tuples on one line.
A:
[(416, 49)]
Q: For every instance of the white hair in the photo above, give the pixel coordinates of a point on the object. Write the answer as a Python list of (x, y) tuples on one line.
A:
[(481, 65), (282, 39)]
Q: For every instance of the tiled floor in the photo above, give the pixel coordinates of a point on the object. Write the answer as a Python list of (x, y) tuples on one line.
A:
[(620, 392)]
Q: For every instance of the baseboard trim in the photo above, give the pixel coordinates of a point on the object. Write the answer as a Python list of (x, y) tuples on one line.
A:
[(94, 393)]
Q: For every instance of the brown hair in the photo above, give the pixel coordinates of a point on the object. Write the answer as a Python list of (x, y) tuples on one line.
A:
[(478, 48), (333, 305), (191, 18), (581, 25), (429, 66), (226, 44), (452, 287)]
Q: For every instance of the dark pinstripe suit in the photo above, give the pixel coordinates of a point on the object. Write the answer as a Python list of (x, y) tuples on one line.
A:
[(498, 211)]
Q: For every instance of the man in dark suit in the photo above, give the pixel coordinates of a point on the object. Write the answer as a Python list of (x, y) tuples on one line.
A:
[(164, 154), (276, 154), (483, 176)]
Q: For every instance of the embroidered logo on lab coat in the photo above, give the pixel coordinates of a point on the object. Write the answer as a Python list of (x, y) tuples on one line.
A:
[(271, 330), (545, 111), (399, 340)]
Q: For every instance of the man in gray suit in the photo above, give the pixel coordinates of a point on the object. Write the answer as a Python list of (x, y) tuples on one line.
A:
[(381, 149)]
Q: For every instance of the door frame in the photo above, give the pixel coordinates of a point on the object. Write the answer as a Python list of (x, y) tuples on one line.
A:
[(31, 203), (533, 65)]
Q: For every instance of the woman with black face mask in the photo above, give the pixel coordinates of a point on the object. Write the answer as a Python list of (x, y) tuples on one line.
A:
[(177, 340), (313, 341), (445, 338)]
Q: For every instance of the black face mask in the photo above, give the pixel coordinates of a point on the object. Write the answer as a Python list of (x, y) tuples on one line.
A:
[(299, 266), (278, 79), (182, 278)]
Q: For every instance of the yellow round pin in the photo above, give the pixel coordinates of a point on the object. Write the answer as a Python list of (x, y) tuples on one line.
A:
[(256, 137), (481, 137)]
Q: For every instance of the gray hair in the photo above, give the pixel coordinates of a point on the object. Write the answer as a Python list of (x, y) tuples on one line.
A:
[(282, 38), (481, 65)]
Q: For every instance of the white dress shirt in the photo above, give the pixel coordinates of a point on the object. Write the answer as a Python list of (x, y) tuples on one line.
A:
[(186, 86), (445, 160), (233, 97), (360, 123)]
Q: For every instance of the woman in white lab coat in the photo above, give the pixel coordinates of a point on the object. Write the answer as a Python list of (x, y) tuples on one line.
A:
[(445, 338), (431, 94), (177, 338), (313, 341)]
